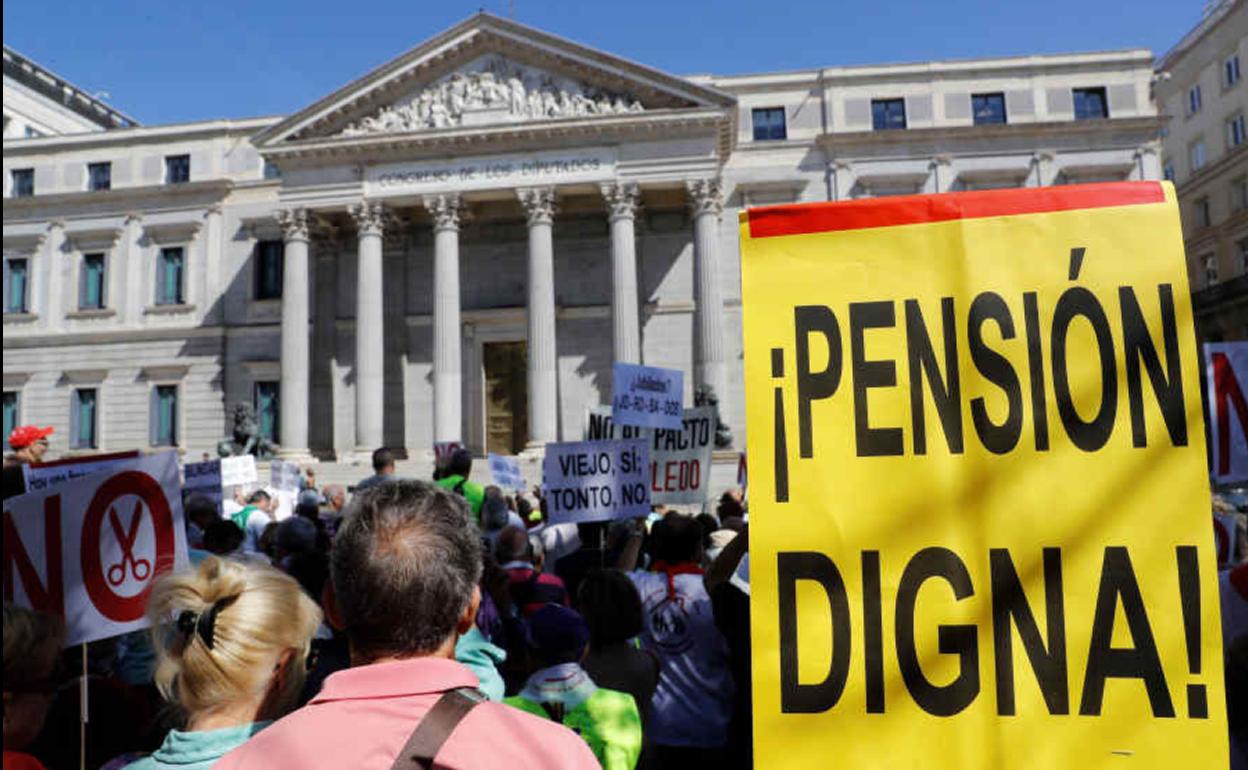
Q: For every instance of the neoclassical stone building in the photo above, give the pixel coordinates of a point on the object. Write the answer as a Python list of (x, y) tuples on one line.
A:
[(458, 244)]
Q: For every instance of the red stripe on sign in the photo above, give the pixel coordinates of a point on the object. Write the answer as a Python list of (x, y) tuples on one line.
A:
[(801, 218)]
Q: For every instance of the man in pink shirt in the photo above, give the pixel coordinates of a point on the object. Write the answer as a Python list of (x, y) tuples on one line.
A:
[(405, 569)]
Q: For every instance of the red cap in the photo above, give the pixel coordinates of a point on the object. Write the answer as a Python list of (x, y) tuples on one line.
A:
[(25, 435)]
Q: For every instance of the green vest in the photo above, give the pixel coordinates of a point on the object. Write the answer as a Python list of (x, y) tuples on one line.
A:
[(472, 492), (608, 721), (240, 517)]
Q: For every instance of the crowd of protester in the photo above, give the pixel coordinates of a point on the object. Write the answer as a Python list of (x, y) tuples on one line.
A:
[(400, 620)]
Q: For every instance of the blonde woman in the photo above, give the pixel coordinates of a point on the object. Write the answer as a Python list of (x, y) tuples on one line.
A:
[(232, 640)]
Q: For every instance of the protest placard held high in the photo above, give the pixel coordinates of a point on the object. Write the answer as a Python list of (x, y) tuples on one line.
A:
[(979, 507)]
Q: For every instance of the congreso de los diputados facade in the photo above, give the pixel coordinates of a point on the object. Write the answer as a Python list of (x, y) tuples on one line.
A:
[(457, 245)]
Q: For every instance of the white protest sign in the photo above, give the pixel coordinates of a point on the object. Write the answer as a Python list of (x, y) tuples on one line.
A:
[(203, 478), (1226, 368), (284, 476), (646, 396), (680, 460), (88, 549), (506, 472), (596, 480), (238, 470), (44, 476)]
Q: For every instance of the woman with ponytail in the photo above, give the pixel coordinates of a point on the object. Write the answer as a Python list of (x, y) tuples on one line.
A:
[(232, 640)]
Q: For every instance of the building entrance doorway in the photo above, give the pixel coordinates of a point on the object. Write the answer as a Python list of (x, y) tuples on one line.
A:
[(506, 396)]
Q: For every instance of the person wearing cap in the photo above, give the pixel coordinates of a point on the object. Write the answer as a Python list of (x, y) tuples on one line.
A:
[(495, 516), (458, 469), (29, 443), (563, 692)]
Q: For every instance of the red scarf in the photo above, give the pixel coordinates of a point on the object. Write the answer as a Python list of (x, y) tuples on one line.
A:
[(672, 570)]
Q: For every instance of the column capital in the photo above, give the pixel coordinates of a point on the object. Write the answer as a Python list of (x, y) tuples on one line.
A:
[(622, 200), (294, 224), (539, 204), (446, 210), (705, 196), (370, 217)]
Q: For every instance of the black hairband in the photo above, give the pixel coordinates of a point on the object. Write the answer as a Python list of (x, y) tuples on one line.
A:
[(203, 623)]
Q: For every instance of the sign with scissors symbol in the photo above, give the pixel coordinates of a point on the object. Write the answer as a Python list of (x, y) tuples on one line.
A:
[(139, 568)]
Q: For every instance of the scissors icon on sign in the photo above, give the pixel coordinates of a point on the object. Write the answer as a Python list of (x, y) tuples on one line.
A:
[(139, 568)]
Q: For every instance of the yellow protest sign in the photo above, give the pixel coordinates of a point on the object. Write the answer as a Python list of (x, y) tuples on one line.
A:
[(980, 516)]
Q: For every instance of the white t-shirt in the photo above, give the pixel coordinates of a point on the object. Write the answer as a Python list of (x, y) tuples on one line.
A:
[(693, 702), (257, 522), (558, 540)]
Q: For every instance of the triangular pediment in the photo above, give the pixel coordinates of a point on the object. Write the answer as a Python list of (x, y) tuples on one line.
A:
[(489, 71)]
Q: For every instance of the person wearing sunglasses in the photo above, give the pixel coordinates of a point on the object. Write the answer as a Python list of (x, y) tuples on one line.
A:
[(232, 643), (32, 674)]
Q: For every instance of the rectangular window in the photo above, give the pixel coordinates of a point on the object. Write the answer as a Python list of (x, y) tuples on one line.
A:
[(99, 176), (91, 285), (84, 419), (23, 182), (1235, 131), (888, 114), (11, 415), (267, 409), (1239, 193), (169, 270), (177, 169), (1193, 100), (1090, 104), (988, 108), (1211, 269), (1196, 154), (1202, 212), (769, 124), (16, 285), (269, 258), (165, 415), (1230, 71)]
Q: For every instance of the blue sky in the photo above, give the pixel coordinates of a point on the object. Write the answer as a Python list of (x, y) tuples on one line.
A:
[(175, 60)]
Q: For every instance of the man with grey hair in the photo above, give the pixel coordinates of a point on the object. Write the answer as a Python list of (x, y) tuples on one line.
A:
[(404, 575)]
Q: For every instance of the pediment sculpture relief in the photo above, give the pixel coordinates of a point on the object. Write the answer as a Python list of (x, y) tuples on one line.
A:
[(499, 92)]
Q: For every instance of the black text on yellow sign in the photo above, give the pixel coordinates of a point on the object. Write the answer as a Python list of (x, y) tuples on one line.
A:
[(984, 495)]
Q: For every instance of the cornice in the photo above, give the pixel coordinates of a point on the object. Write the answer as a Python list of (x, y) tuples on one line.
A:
[(1047, 129), (652, 124), (120, 197)]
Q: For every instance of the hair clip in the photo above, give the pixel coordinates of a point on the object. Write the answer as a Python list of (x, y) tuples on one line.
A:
[(203, 624)]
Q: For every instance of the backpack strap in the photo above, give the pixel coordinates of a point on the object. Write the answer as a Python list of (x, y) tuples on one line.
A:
[(433, 731), (459, 487)]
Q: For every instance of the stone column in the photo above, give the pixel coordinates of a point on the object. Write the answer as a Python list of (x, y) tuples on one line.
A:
[(1147, 165), (1043, 172), (940, 175), (706, 203), (294, 391), (539, 209), (622, 210), (842, 179), (369, 328), (447, 361)]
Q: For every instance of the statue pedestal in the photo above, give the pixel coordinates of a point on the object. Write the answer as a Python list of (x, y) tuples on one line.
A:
[(484, 116), (297, 456)]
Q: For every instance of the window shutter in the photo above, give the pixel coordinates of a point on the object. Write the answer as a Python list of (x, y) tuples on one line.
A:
[(75, 416), (153, 420)]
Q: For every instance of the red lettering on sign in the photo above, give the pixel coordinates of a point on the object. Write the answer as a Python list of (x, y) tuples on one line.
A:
[(123, 609), (48, 598), (1227, 388)]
